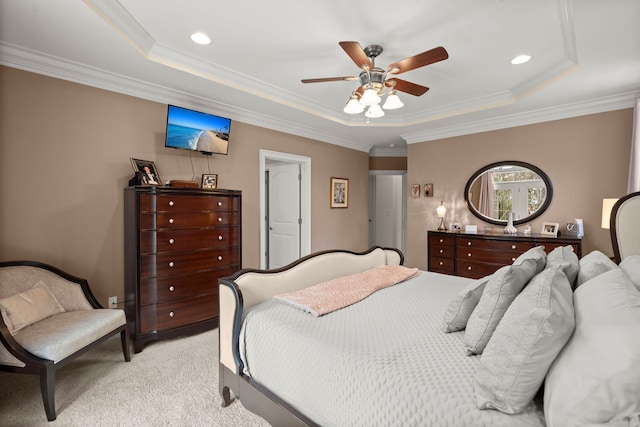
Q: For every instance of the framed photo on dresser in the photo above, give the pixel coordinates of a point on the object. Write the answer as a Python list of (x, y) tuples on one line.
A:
[(146, 172)]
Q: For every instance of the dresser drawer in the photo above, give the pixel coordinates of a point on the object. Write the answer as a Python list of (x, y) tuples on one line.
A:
[(155, 290), (498, 245), (484, 255), (170, 315), (475, 270), (187, 203), (440, 240), (152, 221), (166, 240), (441, 251), (441, 265), (177, 263)]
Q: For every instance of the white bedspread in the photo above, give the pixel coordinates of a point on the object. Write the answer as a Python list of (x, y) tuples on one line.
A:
[(381, 362)]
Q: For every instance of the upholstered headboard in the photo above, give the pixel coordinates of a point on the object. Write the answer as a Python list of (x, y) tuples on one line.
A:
[(625, 226)]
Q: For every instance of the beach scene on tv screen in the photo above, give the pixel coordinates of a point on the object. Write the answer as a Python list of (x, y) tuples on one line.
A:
[(197, 131)]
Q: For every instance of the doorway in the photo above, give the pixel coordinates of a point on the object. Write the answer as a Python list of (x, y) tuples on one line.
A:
[(387, 209), (285, 208)]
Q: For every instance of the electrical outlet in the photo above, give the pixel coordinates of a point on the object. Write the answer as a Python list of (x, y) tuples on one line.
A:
[(113, 302)]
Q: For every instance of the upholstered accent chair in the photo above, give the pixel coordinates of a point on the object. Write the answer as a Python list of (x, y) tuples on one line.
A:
[(625, 226), (48, 319)]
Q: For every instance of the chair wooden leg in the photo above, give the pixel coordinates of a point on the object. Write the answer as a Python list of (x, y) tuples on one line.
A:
[(125, 345), (47, 387)]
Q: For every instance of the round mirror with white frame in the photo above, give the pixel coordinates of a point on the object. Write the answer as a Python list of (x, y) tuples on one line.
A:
[(498, 189)]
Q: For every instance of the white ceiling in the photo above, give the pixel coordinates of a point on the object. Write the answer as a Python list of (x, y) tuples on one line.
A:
[(585, 59)]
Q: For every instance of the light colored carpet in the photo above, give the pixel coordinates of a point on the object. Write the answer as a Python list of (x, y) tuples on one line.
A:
[(169, 383)]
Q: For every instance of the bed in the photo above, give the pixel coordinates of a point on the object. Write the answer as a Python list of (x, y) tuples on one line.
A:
[(433, 349)]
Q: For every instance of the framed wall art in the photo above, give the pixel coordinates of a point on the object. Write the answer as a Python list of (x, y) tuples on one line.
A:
[(550, 229), (146, 171), (415, 190), (339, 193), (209, 181), (428, 190)]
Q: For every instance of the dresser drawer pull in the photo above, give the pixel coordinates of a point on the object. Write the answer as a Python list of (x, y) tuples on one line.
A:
[(171, 241), (171, 203), (219, 237), (171, 288), (441, 251), (171, 314), (219, 203), (468, 243), (219, 219), (513, 259), (171, 264), (469, 268), (441, 263), (441, 240), (219, 257), (513, 246), (170, 220), (469, 254)]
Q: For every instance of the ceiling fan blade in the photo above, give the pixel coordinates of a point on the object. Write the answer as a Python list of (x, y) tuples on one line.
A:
[(407, 87), (420, 60), (328, 79), (357, 55)]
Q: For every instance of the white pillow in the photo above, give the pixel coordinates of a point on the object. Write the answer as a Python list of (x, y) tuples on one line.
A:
[(564, 256), (462, 305), (631, 266), (596, 377), (26, 308), (537, 254), (536, 326), (593, 264), (500, 291)]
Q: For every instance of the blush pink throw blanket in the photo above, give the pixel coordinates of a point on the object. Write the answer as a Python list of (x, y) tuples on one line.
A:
[(341, 292)]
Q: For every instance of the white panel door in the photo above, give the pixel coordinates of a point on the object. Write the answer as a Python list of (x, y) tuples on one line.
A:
[(283, 214)]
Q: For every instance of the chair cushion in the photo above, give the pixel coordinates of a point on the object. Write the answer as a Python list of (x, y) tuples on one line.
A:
[(26, 308), (63, 334)]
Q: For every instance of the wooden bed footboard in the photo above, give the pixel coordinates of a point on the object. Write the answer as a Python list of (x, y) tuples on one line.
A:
[(249, 287)]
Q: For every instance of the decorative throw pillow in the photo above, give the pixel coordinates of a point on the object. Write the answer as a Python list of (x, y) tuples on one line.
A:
[(592, 265), (537, 254), (564, 256), (503, 286), (27, 308), (532, 332), (631, 266), (596, 377), (462, 305)]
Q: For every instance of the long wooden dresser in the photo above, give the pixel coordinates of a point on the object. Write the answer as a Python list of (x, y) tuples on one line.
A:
[(481, 254), (178, 242)]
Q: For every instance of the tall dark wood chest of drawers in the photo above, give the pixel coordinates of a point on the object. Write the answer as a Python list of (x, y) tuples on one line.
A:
[(178, 242), (478, 255)]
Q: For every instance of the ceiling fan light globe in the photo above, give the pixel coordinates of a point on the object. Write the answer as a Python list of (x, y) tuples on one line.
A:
[(370, 97), (374, 111), (393, 102), (353, 107)]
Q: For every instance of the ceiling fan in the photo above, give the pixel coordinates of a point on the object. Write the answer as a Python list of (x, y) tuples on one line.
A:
[(375, 82)]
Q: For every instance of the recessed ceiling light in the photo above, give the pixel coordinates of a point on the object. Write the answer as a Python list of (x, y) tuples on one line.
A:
[(520, 59), (200, 38)]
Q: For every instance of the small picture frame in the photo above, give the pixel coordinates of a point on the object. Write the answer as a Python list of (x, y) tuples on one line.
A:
[(415, 190), (209, 181), (339, 193), (550, 229), (428, 190), (146, 171)]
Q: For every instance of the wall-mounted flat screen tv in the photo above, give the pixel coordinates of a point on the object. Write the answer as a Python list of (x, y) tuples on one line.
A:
[(196, 131)]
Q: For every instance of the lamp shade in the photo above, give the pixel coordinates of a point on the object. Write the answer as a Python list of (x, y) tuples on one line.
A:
[(353, 106), (374, 111), (370, 97), (607, 206), (441, 210), (393, 102)]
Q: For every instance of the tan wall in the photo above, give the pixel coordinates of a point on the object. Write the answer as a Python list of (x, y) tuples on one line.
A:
[(64, 161), (587, 159)]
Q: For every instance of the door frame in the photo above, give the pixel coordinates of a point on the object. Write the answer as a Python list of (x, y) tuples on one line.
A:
[(305, 200)]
